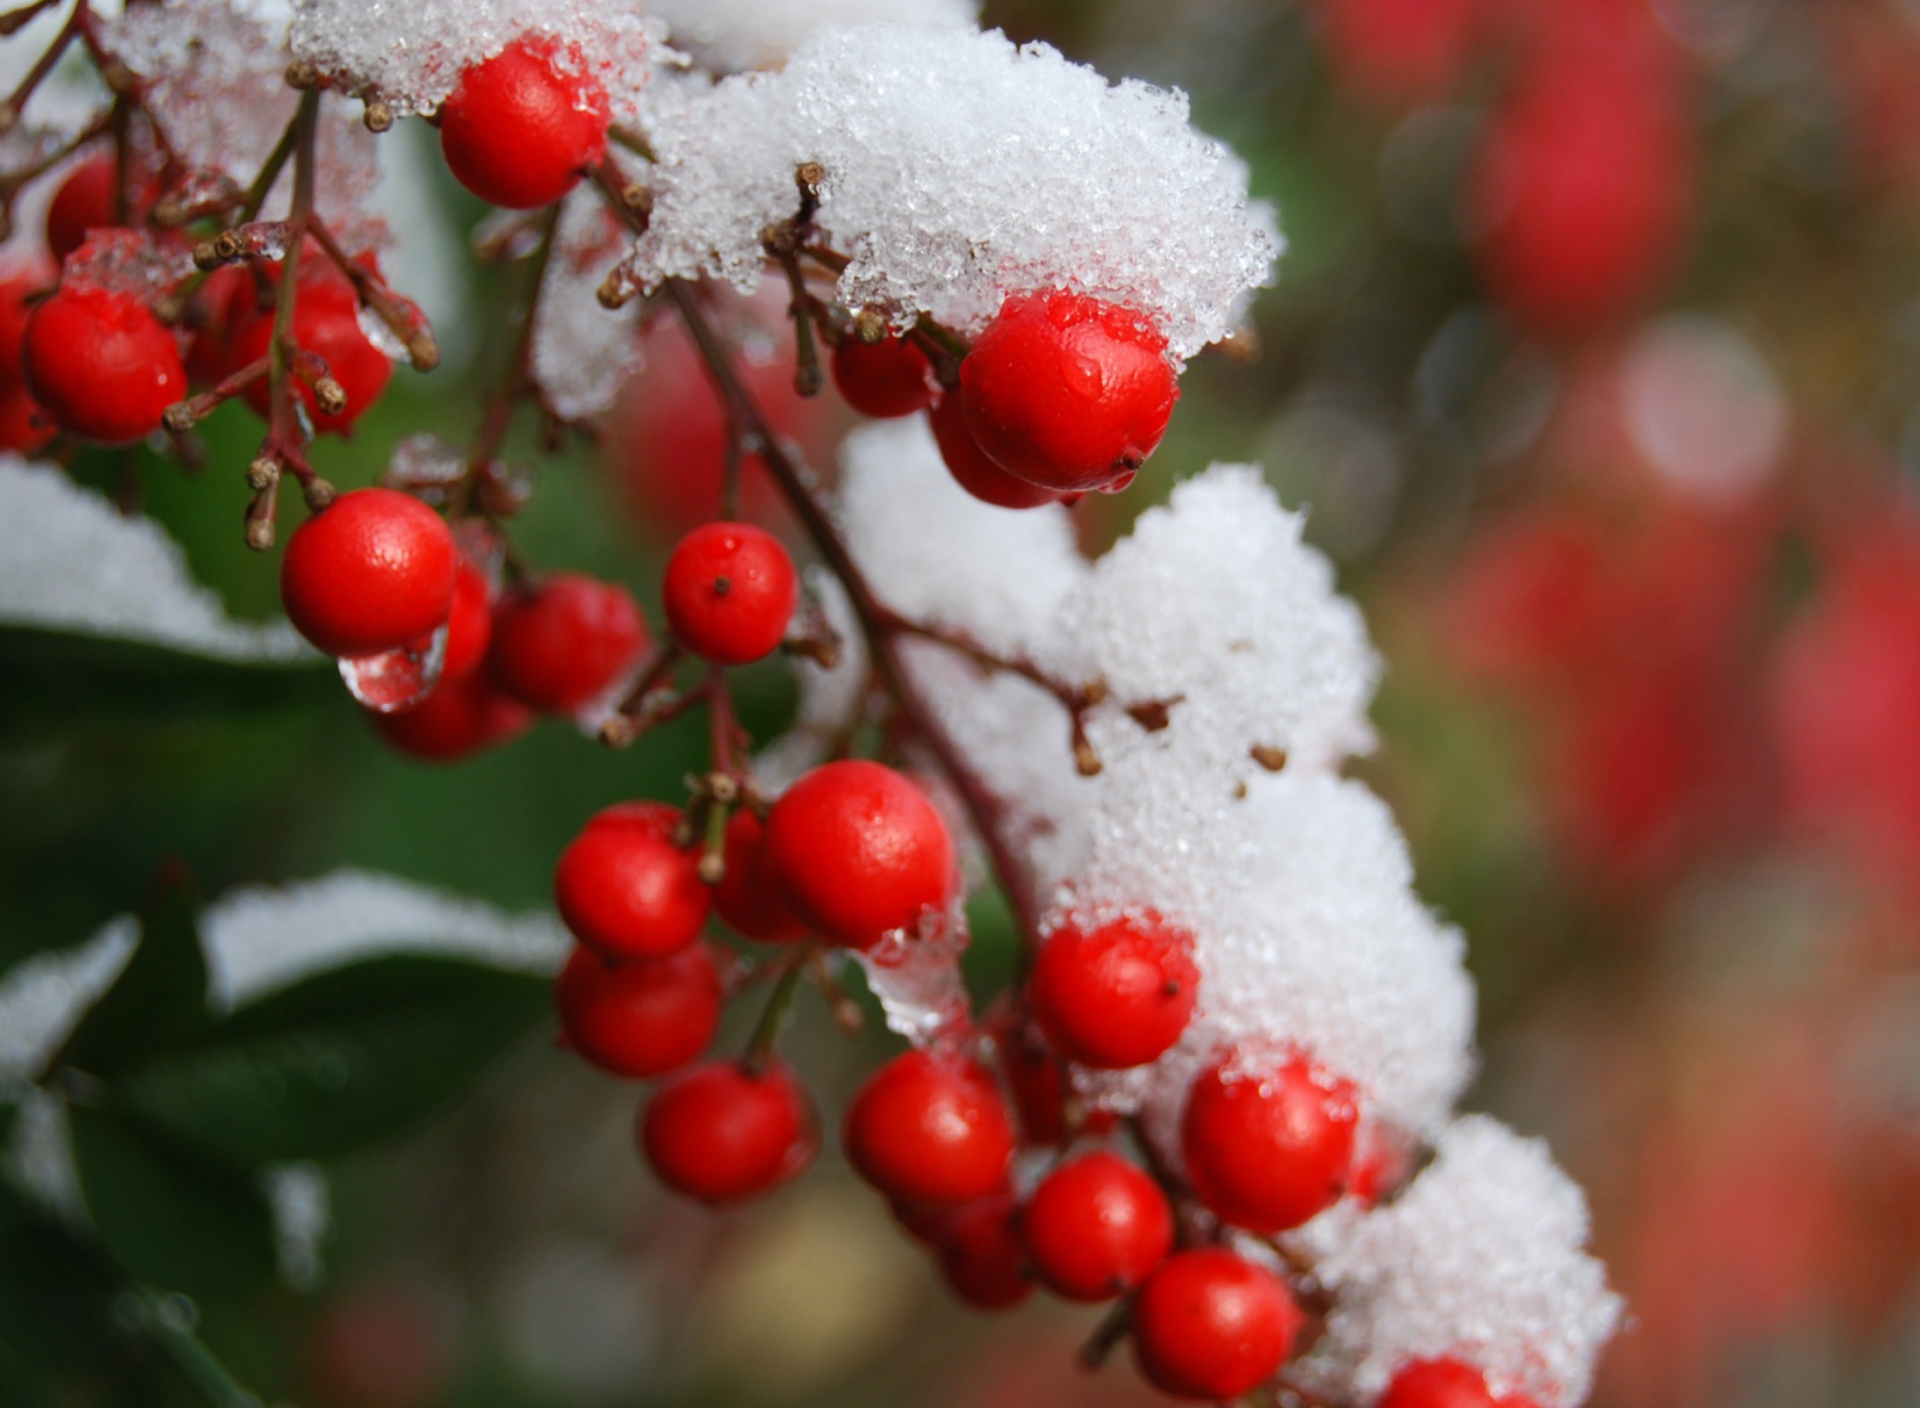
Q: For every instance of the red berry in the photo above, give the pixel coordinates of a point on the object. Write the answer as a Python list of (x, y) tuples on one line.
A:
[(15, 290), (85, 201), (24, 427), (746, 896), (326, 322), (930, 1129), (883, 379), (1067, 391), (518, 131), (1582, 193), (369, 573), (730, 590), (1096, 1226), (566, 642), (101, 365), (1116, 996), (1445, 1383), (639, 1018), (970, 467), (226, 303), (1034, 1076), (981, 1255), (625, 888), (859, 851), (469, 623), (1209, 1324), (1267, 1151), (459, 718), (719, 1132)]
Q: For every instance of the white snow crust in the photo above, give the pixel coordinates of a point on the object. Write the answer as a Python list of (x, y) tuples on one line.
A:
[(960, 169), (69, 561)]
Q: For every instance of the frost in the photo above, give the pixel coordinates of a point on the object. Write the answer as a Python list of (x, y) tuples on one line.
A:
[(69, 562), (1480, 1259), (411, 52), (41, 999), (731, 35), (960, 169), (260, 939), (936, 554), (1216, 601), (581, 351), (302, 1215), (1308, 936), (215, 74)]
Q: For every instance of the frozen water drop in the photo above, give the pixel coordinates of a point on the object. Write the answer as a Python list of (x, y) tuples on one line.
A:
[(396, 679), (916, 976)]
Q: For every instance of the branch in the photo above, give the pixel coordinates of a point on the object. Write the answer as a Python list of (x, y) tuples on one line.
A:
[(883, 638)]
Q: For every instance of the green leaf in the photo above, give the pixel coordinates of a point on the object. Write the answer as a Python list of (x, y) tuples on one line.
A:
[(159, 1001), (53, 1295), (337, 1062), (168, 1214), (58, 680)]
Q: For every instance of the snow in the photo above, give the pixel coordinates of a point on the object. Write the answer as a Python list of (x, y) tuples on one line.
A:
[(582, 352), (263, 938), (959, 170), (70, 562), (411, 52), (726, 36), (1480, 1260)]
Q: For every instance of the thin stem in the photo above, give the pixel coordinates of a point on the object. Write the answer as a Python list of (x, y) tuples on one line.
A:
[(283, 432), (262, 186), (43, 66), (773, 1016), (13, 21), (168, 1327), (797, 485), (498, 418)]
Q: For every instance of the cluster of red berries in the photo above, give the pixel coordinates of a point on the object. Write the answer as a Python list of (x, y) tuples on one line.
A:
[(452, 665), (1062, 394)]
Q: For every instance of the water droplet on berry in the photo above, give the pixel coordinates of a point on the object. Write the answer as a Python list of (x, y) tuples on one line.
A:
[(916, 976), (396, 679)]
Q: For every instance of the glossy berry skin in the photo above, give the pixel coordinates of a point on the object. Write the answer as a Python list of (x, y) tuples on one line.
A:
[(1035, 1079), (469, 623), (746, 896), (640, 1018), (1096, 1226), (719, 1132), (1068, 392), (518, 132), (623, 887), (1267, 1152), (566, 642), (970, 467), (1445, 1383), (84, 202), (729, 591), (459, 718), (1118, 995), (369, 573), (326, 322), (15, 290), (24, 428), (981, 1256), (931, 1130), (101, 365), (858, 851), (1208, 1324), (883, 379)]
